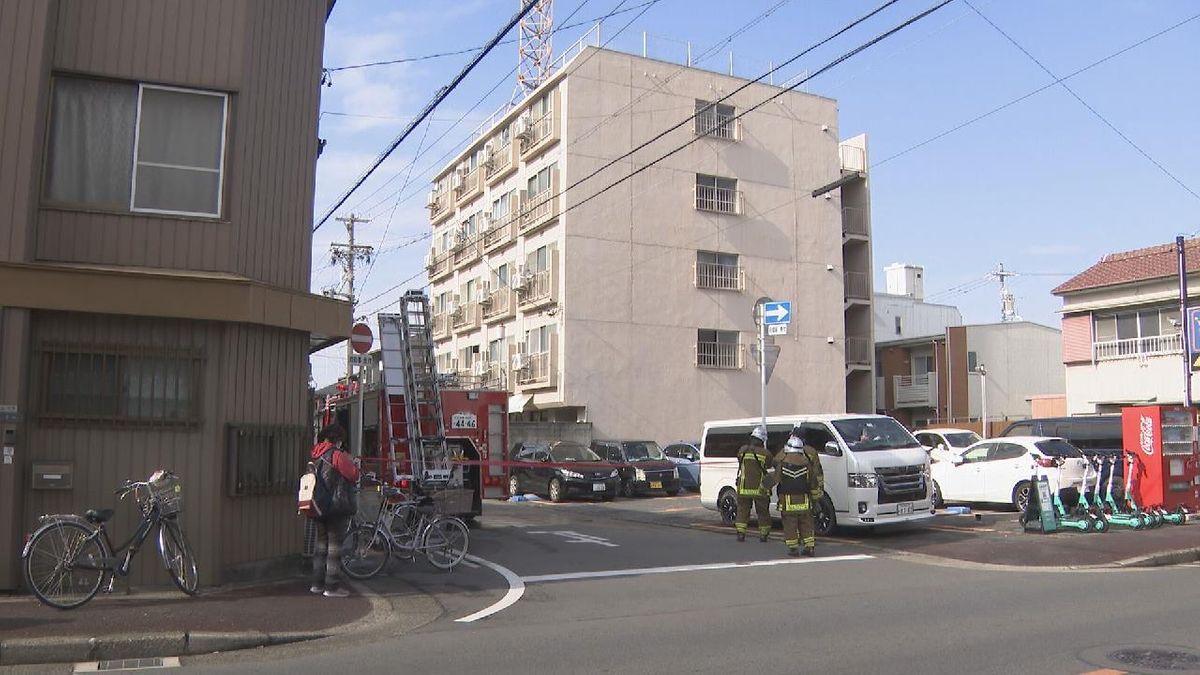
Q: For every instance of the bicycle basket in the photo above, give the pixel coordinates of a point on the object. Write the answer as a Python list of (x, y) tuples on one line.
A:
[(167, 492)]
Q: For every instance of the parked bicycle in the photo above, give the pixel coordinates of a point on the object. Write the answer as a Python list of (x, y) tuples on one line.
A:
[(68, 557), (404, 526)]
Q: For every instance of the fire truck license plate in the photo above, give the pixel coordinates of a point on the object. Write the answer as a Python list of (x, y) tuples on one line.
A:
[(904, 509), (597, 487), (656, 485)]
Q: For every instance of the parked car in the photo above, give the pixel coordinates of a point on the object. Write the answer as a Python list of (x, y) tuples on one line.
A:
[(686, 456), (999, 470), (939, 443), (1093, 434), (643, 466), (555, 478)]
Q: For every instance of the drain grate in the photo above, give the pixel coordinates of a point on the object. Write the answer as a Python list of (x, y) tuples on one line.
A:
[(1158, 659)]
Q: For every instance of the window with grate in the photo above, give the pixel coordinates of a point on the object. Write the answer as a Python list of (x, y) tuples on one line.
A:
[(718, 270), (714, 193), (265, 459), (716, 120), (123, 386), (718, 349)]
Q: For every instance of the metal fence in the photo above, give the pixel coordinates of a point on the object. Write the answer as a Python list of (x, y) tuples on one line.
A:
[(718, 199), (724, 355)]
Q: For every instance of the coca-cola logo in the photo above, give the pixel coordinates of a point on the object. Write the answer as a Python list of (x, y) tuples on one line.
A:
[(1146, 435)]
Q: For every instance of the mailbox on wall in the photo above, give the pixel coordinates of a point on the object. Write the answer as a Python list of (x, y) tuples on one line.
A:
[(53, 475)]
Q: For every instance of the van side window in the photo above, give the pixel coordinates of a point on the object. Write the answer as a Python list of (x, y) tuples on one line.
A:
[(724, 442)]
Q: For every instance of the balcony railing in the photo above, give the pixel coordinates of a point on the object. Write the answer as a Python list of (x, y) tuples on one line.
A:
[(542, 132), (494, 376), (468, 250), (853, 159), (472, 186), (438, 265), (722, 355), (442, 207), (465, 318), (719, 277), (538, 372), (857, 285), (541, 210), (441, 326), (858, 351), (501, 163), (1131, 348), (498, 305), (914, 391), (710, 123), (539, 289), (718, 200), (854, 221)]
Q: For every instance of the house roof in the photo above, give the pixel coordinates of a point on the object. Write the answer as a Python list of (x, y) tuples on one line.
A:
[(1143, 264)]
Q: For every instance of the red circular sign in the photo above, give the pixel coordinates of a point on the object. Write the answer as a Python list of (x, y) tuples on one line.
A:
[(361, 338)]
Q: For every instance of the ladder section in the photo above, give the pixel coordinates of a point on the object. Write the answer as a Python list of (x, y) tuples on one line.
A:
[(391, 352), (422, 394)]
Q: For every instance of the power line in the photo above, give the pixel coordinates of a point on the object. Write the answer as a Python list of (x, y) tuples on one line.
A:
[(502, 42), (437, 99), (1084, 103), (392, 215), (1039, 90)]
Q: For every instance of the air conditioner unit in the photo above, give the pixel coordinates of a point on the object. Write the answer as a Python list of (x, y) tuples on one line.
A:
[(431, 201), (429, 260), (489, 154), (479, 368), (456, 182), (524, 127), (520, 361), (521, 282)]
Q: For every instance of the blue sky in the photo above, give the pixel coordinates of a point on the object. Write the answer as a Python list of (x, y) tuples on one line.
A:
[(1043, 186)]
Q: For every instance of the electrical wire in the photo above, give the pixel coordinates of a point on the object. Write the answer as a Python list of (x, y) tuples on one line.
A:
[(392, 215), (1084, 103)]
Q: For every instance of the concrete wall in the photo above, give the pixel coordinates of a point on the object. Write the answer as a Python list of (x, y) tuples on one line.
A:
[(547, 432), (1022, 359), (1157, 378), (917, 319)]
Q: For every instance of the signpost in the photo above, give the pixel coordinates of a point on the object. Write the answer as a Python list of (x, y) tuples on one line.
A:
[(361, 341), (773, 316), (1193, 335)]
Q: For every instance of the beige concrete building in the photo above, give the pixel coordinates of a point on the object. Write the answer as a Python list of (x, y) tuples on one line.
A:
[(156, 201), (630, 306)]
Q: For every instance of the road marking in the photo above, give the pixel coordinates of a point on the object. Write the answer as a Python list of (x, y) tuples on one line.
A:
[(956, 528), (125, 665), (516, 588), (709, 527), (641, 571), (578, 538), (468, 563)]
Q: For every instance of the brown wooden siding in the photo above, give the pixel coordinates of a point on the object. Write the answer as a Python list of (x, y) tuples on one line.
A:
[(267, 54), (1077, 338)]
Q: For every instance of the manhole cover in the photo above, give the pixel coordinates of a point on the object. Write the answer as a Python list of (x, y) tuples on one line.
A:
[(1158, 658)]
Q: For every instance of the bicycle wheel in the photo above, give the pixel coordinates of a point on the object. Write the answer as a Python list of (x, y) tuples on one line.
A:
[(365, 552), (445, 542), (63, 564), (177, 556), (405, 525)]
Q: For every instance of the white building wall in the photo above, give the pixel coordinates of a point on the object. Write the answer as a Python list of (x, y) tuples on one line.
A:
[(1158, 379), (917, 319), (1021, 359)]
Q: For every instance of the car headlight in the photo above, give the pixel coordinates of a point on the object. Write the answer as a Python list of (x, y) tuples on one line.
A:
[(572, 474), (639, 474), (675, 473), (614, 474), (862, 480)]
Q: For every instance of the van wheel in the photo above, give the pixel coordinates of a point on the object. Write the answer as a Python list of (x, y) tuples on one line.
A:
[(1020, 495), (935, 498), (824, 519), (727, 507)]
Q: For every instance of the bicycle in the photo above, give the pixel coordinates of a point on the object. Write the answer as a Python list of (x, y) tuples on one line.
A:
[(404, 526), (68, 557)]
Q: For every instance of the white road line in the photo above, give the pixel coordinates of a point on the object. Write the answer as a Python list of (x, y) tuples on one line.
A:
[(686, 568), (516, 588), (468, 563)]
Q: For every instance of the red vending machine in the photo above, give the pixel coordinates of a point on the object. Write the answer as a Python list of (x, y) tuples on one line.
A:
[(1162, 440)]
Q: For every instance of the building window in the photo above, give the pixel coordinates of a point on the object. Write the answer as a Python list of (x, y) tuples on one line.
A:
[(714, 193), (899, 326), (716, 120), (136, 147), (718, 349), (500, 276), (972, 362), (264, 460), (1133, 333), (540, 181), (718, 271), (500, 208), (115, 386), (496, 351)]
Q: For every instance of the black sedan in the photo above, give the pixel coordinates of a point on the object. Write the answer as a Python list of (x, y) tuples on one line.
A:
[(561, 469), (643, 466)]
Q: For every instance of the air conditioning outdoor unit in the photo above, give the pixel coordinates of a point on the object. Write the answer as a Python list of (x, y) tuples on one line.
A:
[(520, 361), (489, 154), (524, 127), (456, 182), (431, 201), (429, 259)]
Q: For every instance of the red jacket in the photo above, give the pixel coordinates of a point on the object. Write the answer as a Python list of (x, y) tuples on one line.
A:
[(341, 459)]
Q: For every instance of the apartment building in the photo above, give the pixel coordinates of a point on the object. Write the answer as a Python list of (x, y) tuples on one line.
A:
[(155, 233), (1122, 341), (630, 305)]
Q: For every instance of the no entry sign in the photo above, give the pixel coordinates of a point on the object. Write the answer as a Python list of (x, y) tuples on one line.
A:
[(361, 338)]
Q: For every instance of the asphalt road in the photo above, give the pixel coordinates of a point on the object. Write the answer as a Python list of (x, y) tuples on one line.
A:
[(851, 610)]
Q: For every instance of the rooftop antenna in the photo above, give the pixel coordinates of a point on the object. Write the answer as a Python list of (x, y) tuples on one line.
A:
[(1008, 302), (534, 50)]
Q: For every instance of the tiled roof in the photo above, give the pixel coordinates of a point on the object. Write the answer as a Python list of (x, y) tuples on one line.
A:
[(1155, 262)]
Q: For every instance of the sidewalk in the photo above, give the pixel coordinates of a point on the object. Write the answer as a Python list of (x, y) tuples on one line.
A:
[(170, 623)]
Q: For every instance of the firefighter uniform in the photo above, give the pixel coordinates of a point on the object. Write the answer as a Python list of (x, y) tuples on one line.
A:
[(754, 465), (801, 486)]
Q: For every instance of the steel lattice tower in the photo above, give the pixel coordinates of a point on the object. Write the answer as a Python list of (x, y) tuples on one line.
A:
[(534, 50)]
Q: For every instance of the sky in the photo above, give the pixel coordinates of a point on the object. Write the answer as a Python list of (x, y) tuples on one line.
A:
[(1046, 185)]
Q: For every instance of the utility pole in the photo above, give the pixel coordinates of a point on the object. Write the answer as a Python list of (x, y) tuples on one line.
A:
[(983, 400), (1184, 323), (346, 254), (1008, 303)]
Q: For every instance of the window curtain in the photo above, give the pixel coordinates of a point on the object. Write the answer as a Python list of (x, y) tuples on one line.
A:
[(179, 152), (91, 142)]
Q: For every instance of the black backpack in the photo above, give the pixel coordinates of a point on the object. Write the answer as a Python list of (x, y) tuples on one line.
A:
[(333, 494), (793, 479)]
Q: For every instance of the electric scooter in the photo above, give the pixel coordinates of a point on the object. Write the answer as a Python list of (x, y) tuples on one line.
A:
[(1077, 518), (1115, 516), (1156, 517)]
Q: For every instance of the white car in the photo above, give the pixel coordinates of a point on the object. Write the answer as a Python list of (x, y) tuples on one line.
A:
[(999, 470), (941, 443)]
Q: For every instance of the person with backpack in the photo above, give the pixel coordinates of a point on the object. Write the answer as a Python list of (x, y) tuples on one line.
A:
[(800, 488), (336, 475)]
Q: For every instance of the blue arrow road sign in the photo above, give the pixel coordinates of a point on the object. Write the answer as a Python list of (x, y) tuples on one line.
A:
[(777, 312)]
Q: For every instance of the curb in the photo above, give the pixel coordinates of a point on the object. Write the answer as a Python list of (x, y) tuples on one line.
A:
[(1180, 557), (74, 649)]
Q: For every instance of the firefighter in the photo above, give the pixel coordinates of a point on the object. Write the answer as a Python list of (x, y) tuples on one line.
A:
[(800, 488), (754, 465)]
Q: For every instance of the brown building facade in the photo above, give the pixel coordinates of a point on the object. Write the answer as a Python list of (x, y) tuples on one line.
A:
[(155, 231)]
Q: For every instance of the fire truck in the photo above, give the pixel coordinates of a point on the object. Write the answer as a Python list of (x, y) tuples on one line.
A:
[(435, 433)]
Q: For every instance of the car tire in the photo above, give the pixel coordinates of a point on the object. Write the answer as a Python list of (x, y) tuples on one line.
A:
[(935, 498), (1020, 495), (554, 491), (514, 486), (727, 507), (824, 518)]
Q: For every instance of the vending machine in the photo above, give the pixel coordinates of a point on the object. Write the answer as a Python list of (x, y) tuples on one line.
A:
[(1163, 442)]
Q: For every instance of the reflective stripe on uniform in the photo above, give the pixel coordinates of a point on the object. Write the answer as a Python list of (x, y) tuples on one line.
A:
[(793, 503)]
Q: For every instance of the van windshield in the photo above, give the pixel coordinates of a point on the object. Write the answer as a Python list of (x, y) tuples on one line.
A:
[(875, 433)]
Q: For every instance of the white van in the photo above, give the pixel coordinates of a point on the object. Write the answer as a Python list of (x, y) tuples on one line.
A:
[(876, 473)]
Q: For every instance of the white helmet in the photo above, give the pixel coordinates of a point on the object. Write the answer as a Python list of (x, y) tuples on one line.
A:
[(794, 444), (759, 432)]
